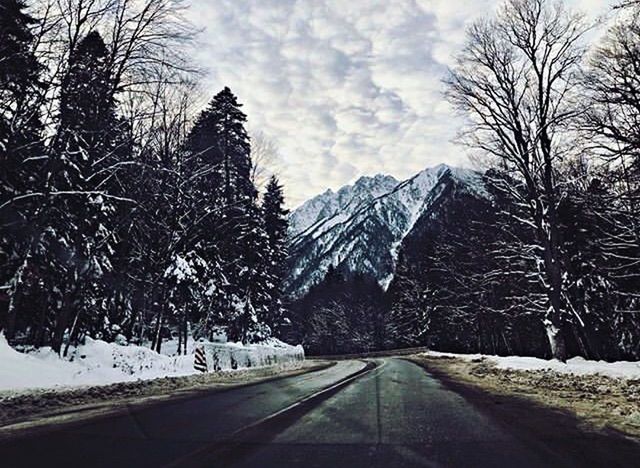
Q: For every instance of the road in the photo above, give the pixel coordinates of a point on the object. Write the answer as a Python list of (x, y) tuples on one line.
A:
[(394, 415)]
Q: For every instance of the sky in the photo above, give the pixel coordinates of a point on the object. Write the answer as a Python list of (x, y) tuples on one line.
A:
[(343, 88)]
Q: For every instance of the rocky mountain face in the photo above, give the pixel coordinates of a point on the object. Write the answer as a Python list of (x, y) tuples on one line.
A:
[(360, 228)]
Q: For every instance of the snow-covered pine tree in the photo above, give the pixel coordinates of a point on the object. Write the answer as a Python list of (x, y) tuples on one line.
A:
[(227, 219), (20, 124), (21, 157), (87, 148), (20, 87), (275, 219), (219, 144), (251, 286)]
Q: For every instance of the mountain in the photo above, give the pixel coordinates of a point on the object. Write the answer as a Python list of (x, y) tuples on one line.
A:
[(344, 201), (359, 228)]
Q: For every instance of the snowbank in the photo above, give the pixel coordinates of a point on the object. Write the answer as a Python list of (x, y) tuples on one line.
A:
[(222, 356), (94, 363), (575, 366), (100, 363)]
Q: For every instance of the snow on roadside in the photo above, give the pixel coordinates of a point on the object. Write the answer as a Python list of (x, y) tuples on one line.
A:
[(100, 363), (221, 356), (575, 366), (94, 363)]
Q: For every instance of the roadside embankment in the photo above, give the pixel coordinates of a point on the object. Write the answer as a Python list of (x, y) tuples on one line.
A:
[(601, 402)]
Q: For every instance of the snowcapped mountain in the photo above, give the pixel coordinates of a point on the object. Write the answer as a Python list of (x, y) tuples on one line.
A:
[(359, 228), (345, 201)]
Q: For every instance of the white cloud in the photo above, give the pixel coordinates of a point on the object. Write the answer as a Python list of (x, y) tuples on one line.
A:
[(344, 88)]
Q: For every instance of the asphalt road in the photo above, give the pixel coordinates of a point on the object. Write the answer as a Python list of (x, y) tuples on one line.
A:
[(394, 415), (157, 435)]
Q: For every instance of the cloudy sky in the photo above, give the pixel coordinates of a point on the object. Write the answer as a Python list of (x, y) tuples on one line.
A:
[(343, 87)]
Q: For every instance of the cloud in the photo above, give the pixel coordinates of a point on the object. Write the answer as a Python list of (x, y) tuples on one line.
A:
[(344, 88)]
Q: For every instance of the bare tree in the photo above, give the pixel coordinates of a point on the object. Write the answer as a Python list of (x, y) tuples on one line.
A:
[(612, 124), (614, 79), (265, 158), (514, 80), (146, 35)]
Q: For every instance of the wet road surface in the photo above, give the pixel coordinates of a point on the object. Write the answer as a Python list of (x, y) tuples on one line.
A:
[(394, 415)]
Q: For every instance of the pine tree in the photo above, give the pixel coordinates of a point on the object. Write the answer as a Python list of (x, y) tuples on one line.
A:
[(275, 219), (250, 288), (21, 153), (19, 82), (226, 217), (87, 146), (87, 107), (219, 142)]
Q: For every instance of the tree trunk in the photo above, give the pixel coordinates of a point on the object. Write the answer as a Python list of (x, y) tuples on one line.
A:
[(545, 218), (72, 333), (157, 340), (41, 325), (10, 324), (556, 341), (553, 319), (185, 330), (136, 307), (552, 242), (180, 337), (61, 323), (159, 311)]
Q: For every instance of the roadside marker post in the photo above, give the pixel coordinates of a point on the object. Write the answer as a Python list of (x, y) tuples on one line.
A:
[(200, 360)]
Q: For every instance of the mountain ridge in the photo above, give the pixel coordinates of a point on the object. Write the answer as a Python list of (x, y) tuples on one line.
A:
[(360, 228)]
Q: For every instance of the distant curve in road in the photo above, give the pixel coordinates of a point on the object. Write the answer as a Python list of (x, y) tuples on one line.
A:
[(394, 415)]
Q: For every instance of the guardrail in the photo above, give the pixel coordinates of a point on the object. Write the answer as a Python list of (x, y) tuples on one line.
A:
[(224, 357), (371, 354)]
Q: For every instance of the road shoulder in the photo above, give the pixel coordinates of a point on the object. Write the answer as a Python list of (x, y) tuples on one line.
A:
[(593, 403)]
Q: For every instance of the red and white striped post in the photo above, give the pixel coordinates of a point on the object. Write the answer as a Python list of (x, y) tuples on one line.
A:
[(200, 360)]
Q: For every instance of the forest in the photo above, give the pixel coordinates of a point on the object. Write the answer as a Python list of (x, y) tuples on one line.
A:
[(129, 212), (134, 213), (548, 263)]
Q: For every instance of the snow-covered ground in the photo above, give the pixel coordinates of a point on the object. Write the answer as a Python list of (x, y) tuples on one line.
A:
[(100, 363), (575, 366)]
